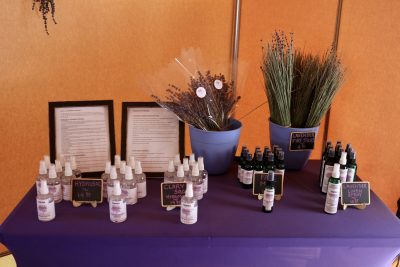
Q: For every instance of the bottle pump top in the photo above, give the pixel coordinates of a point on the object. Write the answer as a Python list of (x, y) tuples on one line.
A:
[(47, 161), (192, 159), (343, 158), (113, 173), (180, 172), (195, 169), (117, 188), (132, 162), (62, 159), (42, 167), (185, 164), (189, 190), (52, 171), (73, 163), (138, 168), (177, 160), (122, 167), (128, 173), (117, 161), (43, 190), (171, 166), (336, 170), (58, 166), (68, 170), (107, 169), (200, 161)]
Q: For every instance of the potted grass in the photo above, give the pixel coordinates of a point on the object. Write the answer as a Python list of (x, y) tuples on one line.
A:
[(206, 105), (300, 87)]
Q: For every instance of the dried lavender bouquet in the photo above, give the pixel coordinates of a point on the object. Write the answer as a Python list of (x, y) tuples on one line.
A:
[(206, 104)]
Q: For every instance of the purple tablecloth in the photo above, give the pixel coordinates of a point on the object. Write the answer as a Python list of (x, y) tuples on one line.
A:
[(231, 231)]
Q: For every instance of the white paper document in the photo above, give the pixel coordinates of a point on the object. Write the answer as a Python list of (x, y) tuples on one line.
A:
[(152, 137), (83, 132)]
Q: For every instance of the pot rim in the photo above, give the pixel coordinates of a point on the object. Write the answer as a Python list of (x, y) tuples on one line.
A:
[(289, 127), (232, 121)]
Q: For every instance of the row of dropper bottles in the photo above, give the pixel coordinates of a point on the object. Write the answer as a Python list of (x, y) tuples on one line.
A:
[(346, 160), (261, 162), (189, 171)]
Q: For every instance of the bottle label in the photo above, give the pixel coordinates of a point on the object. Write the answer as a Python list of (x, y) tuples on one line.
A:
[(268, 198), (198, 191), (332, 198), (117, 210), (56, 192), (247, 177), (109, 190), (130, 194), (239, 173), (343, 175), (205, 184), (46, 209), (66, 188), (141, 189), (351, 173), (327, 174), (188, 213)]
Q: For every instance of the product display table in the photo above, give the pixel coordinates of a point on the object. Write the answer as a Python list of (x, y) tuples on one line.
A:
[(231, 231)]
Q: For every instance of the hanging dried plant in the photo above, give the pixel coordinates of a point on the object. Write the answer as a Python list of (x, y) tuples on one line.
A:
[(45, 7), (207, 104)]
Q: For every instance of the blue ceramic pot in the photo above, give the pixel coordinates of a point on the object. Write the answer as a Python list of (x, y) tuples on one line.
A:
[(281, 136), (217, 147)]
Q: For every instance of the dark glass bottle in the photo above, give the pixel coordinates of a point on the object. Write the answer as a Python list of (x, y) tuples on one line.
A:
[(280, 162), (265, 155), (348, 147), (330, 161), (323, 159), (338, 154), (243, 155), (256, 151), (247, 180), (351, 166), (269, 193), (258, 165), (270, 166)]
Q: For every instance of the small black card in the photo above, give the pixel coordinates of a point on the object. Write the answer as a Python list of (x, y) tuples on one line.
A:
[(302, 141), (355, 193), (260, 182), (171, 194), (87, 190)]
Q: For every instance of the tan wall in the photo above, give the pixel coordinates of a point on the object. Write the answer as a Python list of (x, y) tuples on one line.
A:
[(101, 49)]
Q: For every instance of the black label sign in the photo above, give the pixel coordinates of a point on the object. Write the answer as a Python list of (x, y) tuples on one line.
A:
[(302, 141), (355, 193), (260, 182), (87, 190), (171, 194)]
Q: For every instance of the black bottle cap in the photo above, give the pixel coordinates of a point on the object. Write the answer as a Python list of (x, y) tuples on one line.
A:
[(348, 146), (271, 156), (259, 157), (331, 153), (249, 156), (339, 152), (281, 155), (352, 154)]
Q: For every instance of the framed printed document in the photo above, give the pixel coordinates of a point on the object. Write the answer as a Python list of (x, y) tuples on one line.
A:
[(84, 129), (152, 135)]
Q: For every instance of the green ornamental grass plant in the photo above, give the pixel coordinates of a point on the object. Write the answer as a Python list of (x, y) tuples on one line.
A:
[(299, 86)]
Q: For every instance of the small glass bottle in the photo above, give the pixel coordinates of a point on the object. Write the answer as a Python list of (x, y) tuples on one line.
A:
[(197, 181), (45, 203), (248, 173), (203, 174), (186, 168), (140, 178), (269, 193), (54, 184), (242, 163), (324, 156), (265, 155), (192, 160), (348, 148), (129, 187), (332, 196), (132, 163), (177, 161), (121, 174), (180, 174), (239, 174), (258, 165), (111, 181), (117, 204), (330, 161), (42, 174), (351, 166), (59, 169), (280, 163), (76, 171), (189, 206), (117, 163), (66, 182), (270, 166), (343, 167), (256, 151), (105, 176), (169, 175)]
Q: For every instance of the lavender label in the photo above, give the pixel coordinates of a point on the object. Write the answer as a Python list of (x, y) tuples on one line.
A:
[(188, 213), (118, 211), (46, 209), (247, 177)]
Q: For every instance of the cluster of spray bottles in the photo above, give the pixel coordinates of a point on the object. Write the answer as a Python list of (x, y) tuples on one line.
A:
[(191, 172), (268, 161), (53, 184), (337, 166)]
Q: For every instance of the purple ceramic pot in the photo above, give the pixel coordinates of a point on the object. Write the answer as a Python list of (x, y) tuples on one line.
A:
[(295, 157), (217, 147)]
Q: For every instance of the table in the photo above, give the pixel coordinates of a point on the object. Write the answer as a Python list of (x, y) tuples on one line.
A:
[(231, 231)]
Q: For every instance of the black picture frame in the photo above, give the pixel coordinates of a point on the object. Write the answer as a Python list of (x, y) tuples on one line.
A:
[(124, 127), (90, 103)]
